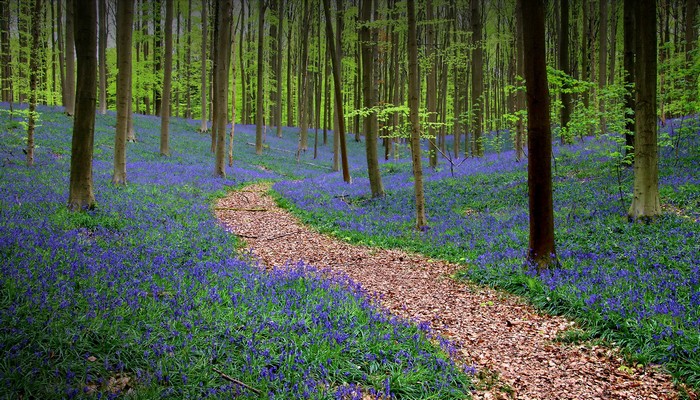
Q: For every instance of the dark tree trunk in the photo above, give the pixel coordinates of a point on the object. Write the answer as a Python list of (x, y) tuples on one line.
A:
[(602, 59), (69, 105), (259, 108), (81, 194), (157, 54), (629, 34), (564, 65), (477, 78), (203, 56), (221, 68), (539, 171), (102, 56), (188, 62), (33, 77), (6, 55), (167, 80), (431, 81)]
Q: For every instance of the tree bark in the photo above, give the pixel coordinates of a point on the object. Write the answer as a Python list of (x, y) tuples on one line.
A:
[(278, 69), (203, 56), (188, 62), (414, 105), (629, 33), (565, 66), (125, 18), (520, 94), (645, 203), (33, 77), (335, 61), (259, 108), (69, 105), (6, 57), (368, 44), (539, 169), (80, 194), (157, 54), (431, 81), (167, 81), (477, 78), (691, 34), (221, 68), (303, 84), (602, 59), (102, 56)]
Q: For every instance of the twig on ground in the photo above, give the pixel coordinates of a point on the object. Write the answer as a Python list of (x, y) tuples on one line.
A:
[(240, 209), (236, 381)]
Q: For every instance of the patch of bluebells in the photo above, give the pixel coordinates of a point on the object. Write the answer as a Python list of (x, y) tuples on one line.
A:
[(635, 284), (149, 287)]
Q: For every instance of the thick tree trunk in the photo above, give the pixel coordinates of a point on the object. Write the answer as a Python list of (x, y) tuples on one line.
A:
[(414, 105), (80, 194), (539, 169), (335, 61), (645, 203), (102, 56), (167, 81), (368, 92), (221, 68), (259, 108), (125, 18), (203, 56), (69, 105)]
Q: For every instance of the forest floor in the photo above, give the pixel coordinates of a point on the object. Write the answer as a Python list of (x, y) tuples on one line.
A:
[(517, 351)]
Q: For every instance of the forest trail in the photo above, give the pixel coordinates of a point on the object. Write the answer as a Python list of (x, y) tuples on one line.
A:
[(505, 338)]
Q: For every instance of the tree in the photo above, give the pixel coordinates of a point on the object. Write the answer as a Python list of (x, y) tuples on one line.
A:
[(564, 64), (259, 111), (603, 58), (102, 55), (539, 171), (69, 103), (81, 194), (33, 77), (477, 78), (125, 18), (167, 79), (645, 203), (431, 82), (335, 62), (414, 105), (5, 53), (203, 126), (221, 68), (368, 92), (629, 34), (303, 89)]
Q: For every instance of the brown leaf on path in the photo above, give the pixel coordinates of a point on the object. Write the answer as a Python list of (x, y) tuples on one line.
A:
[(492, 330)]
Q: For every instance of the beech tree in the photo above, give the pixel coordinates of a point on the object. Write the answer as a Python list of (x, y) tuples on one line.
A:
[(69, 89), (125, 18), (259, 111), (33, 77), (102, 55), (539, 169), (414, 105), (221, 68), (645, 203), (203, 127), (80, 194), (167, 78)]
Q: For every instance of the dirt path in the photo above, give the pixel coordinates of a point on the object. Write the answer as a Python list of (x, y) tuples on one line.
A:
[(498, 333)]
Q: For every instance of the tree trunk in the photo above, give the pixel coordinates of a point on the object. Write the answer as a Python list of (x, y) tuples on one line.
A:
[(203, 56), (477, 78), (414, 105), (33, 77), (303, 85), (629, 33), (368, 92), (125, 18), (338, 92), (81, 194), (221, 68), (431, 81), (645, 203), (520, 94), (102, 56), (539, 171), (259, 108), (167, 80), (6, 57), (278, 69), (602, 59), (157, 54), (691, 34), (69, 105), (188, 62), (565, 66)]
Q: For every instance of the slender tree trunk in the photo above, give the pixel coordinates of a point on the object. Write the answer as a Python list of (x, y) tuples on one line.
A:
[(69, 105), (102, 56), (33, 77), (188, 62), (290, 103), (565, 66), (602, 59), (203, 56), (80, 194), (539, 169), (691, 34), (368, 92), (6, 57), (259, 108), (233, 93), (645, 203), (629, 34), (221, 68), (278, 69), (157, 54), (612, 54), (414, 105), (61, 52), (431, 82), (520, 94), (303, 85), (477, 78), (338, 93), (125, 18), (167, 81)]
